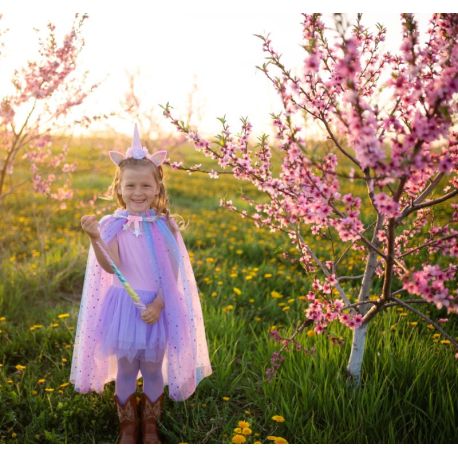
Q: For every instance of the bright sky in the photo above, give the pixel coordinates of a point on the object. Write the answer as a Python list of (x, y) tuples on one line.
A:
[(174, 44)]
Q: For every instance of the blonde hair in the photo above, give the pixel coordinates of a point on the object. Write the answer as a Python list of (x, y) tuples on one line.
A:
[(161, 200)]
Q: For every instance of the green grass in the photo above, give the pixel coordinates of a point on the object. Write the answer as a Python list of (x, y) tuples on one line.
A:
[(409, 384)]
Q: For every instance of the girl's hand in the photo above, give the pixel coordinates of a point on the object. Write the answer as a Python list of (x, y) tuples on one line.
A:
[(90, 225), (153, 311)]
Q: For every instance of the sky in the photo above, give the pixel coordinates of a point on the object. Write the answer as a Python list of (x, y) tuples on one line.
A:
[(175, 44)]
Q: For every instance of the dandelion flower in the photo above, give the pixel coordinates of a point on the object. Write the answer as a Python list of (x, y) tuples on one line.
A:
[(445, 342), (238, 430), (246, 431), (278, 418), (238, 439), (276, 295), (49, 390), (41, 381), (63, 315), (243, 424), (310, 333), (226, 398), (19, 367), (281, 440), (237, 291)]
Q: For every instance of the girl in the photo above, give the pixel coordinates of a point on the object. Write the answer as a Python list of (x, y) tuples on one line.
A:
[(166, 343)]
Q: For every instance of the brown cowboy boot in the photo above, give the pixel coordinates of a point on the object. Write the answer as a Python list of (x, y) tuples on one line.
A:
[(150, 413), (128, 420)]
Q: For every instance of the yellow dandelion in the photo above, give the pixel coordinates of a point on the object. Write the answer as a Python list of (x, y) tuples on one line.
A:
[(20, 367), (9, 381), (239, 251), (436, 335), (228, 308), (276, 295), (310, 333), (285, 309), (267, 275), (278, 418), (430, 326), (237, 291), (403, 314), (63, 315), (238, 430), (257, 442), (243, 424), (238, 439), (34, 392), (271, 438), (35, 326), (2, 318), (54, 325), (281, 440), (246, 431), (413, 323), (64, 385), (41, 381), (226, 398), (445, 342), (49, 390), (64, 360), (248, 277)]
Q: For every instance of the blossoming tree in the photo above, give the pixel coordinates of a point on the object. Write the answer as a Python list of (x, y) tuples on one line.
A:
[(44, 93), (389, 120)]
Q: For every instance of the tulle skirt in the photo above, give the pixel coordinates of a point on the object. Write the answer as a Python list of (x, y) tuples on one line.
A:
[(123, 333)]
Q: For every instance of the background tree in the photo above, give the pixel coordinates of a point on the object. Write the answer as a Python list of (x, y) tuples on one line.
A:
[(44, 93)]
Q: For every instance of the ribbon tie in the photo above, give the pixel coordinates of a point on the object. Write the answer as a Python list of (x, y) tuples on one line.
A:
[(134, 222)]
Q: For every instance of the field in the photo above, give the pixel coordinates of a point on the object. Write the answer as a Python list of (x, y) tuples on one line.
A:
[(410, 376)]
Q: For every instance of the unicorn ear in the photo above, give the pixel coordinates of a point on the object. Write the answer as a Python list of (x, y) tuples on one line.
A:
[(116, 157), (158, 157)]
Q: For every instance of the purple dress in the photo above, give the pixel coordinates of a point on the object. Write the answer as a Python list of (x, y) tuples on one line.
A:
[(123, 332), (109, 324)]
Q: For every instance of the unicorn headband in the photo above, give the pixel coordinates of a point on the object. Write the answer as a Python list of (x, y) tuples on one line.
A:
[(137, 151)]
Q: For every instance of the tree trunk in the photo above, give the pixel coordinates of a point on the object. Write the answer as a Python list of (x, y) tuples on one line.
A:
[(357, 353), (359, 335)]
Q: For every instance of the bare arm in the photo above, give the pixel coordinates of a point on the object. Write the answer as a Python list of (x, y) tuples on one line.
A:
[(90, 226), (113, 251)]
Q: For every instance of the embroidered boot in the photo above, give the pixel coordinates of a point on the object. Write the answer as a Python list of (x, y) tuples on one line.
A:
[(150, 413), (128, 420)]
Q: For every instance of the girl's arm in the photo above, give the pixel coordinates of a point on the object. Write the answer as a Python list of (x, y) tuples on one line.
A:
[(112, 249)]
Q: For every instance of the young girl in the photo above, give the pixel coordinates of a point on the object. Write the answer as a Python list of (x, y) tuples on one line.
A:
[(166, 342)]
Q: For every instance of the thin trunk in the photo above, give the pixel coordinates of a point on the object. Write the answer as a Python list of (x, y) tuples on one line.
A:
[(355, 360)]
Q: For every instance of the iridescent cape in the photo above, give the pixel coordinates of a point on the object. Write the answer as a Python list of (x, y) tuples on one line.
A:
[(186, 361)]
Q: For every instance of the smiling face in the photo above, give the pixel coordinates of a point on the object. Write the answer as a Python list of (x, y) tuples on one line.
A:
[(138, 188)]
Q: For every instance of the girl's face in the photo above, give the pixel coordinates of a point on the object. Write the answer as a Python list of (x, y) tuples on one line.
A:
[(138, 189)]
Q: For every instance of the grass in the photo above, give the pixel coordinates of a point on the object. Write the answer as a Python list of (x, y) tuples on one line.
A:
[(410, 378)]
